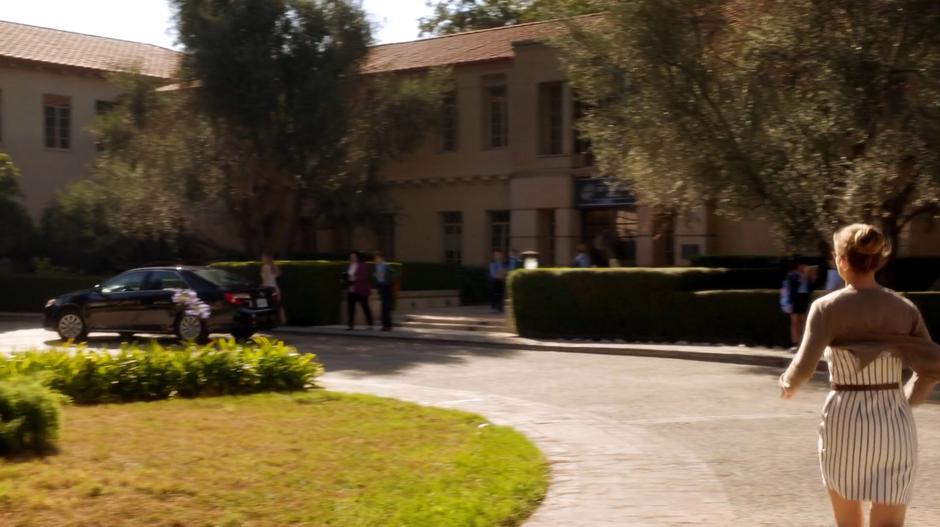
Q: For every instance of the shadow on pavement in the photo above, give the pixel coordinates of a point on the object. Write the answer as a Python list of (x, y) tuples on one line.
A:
[(384, 356)]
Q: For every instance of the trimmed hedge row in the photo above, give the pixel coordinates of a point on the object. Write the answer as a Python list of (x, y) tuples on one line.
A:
[(28, 292), (656, 305), (152, 372), (29, 417), (311, 290)]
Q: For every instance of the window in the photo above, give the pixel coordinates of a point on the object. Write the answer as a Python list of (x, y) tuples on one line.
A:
[(122, 283), (551, 118), (57, 121), (102, 108), (165, 280), (453, 237), (495, 113), (499, 230), (450, 123)]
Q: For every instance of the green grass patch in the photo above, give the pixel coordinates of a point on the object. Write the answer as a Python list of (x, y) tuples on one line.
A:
[(312, 458)]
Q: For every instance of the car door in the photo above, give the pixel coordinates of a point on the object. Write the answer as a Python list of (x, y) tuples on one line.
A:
[(158, 310), (117, 301)]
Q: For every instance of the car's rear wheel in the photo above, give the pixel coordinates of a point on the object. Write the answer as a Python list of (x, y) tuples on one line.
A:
[(243, 334), (191, 327), (71, 326)]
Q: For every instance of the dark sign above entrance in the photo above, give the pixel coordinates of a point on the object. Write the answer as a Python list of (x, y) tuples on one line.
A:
[(601, 192)]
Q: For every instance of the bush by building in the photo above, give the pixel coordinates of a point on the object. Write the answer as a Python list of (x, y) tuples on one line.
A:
[(28, 293), (658, 305), (29, 417)]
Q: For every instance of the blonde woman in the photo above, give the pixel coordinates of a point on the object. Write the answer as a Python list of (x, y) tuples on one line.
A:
[(867, 438)]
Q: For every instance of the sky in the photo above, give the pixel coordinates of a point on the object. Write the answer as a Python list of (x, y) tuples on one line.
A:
[(150, 21)]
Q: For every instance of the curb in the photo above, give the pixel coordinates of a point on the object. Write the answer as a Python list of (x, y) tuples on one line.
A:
[(653, 351)]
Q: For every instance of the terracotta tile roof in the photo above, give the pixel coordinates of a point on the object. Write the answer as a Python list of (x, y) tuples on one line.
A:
[(101, 54), (462, 48)]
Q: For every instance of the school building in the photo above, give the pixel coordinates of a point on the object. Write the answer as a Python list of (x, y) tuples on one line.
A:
[(507, 170)]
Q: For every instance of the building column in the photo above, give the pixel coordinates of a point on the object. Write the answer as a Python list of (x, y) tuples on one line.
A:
[(567, 235), (691, 235), (644, 239), (524, 230)]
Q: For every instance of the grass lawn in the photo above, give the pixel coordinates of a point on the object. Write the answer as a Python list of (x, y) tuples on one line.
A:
[(314, 458)]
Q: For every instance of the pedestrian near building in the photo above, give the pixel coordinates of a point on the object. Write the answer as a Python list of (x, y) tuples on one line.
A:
[(269, 275), (796, 295), (357, 290), (384, 279), (514, 262), (498, 271), (833, 280), (583, 258), (867, 438)]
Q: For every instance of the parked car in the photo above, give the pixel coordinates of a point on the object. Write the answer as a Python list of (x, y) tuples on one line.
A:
[(142, 301)]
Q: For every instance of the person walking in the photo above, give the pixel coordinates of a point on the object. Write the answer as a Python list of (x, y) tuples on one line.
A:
[(867, 439), (498, 271), (795, 300), (269, 275), (384, 279), (357, 290)]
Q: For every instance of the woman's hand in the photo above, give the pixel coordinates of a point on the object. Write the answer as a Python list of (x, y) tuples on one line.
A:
[(787, 393)]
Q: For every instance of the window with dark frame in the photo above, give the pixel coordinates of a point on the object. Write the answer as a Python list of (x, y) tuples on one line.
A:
[(453, 237), (495, 113), (499, 230), (551, 118), (57, 121), (450, 123)]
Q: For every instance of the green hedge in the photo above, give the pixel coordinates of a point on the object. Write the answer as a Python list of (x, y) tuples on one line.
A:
[(311, 290), (153, 372), (29, 417), (656, 305), (474, 285), (425, 276), (28, 293)]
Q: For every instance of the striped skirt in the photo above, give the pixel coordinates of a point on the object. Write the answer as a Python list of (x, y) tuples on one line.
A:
[(868, 446)]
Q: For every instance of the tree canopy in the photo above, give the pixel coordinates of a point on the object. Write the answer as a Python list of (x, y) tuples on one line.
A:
[(805, 113), (454, 16)]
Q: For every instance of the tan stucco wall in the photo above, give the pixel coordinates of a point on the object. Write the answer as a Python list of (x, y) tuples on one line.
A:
[(742, 238), (45, 171)]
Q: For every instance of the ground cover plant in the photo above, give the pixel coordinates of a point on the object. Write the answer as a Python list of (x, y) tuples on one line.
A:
[(151, 372), (305, 458)]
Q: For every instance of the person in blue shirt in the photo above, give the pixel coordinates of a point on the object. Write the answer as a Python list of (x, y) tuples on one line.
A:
[(515, 262), (499, 268), (583, 258), (384, 280)]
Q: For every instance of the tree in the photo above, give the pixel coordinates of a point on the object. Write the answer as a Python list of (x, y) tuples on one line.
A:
[(805, 113), (16, 228), (274, 76), (455, 16)]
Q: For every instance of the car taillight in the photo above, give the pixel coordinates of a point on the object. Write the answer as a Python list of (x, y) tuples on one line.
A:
[(238, 299)]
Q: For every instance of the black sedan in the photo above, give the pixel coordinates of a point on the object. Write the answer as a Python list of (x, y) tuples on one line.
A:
[(190, 302)]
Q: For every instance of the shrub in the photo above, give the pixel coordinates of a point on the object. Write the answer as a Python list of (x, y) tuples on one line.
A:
[(29, 417), (425, 276), (136, 373), (311, 290), (30, 291), (657, 305), (474, 285)]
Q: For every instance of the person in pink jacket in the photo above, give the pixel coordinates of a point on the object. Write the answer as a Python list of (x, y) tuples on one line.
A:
[(357, 290)]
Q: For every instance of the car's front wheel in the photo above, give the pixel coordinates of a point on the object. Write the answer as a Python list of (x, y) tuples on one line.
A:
[(71, 326), (191, 327)]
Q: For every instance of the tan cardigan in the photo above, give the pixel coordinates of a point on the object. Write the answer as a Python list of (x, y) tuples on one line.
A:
[(868, 322)]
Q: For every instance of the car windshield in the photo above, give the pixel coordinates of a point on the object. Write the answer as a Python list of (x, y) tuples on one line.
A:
[(222, 278)]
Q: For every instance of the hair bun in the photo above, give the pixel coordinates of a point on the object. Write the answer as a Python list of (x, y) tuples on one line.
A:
[(869, 240)]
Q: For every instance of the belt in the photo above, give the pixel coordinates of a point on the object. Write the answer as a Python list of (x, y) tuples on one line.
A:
[(864, 387)]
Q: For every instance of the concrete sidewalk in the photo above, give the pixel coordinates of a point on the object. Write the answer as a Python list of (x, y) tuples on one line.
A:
[(501, 339)]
